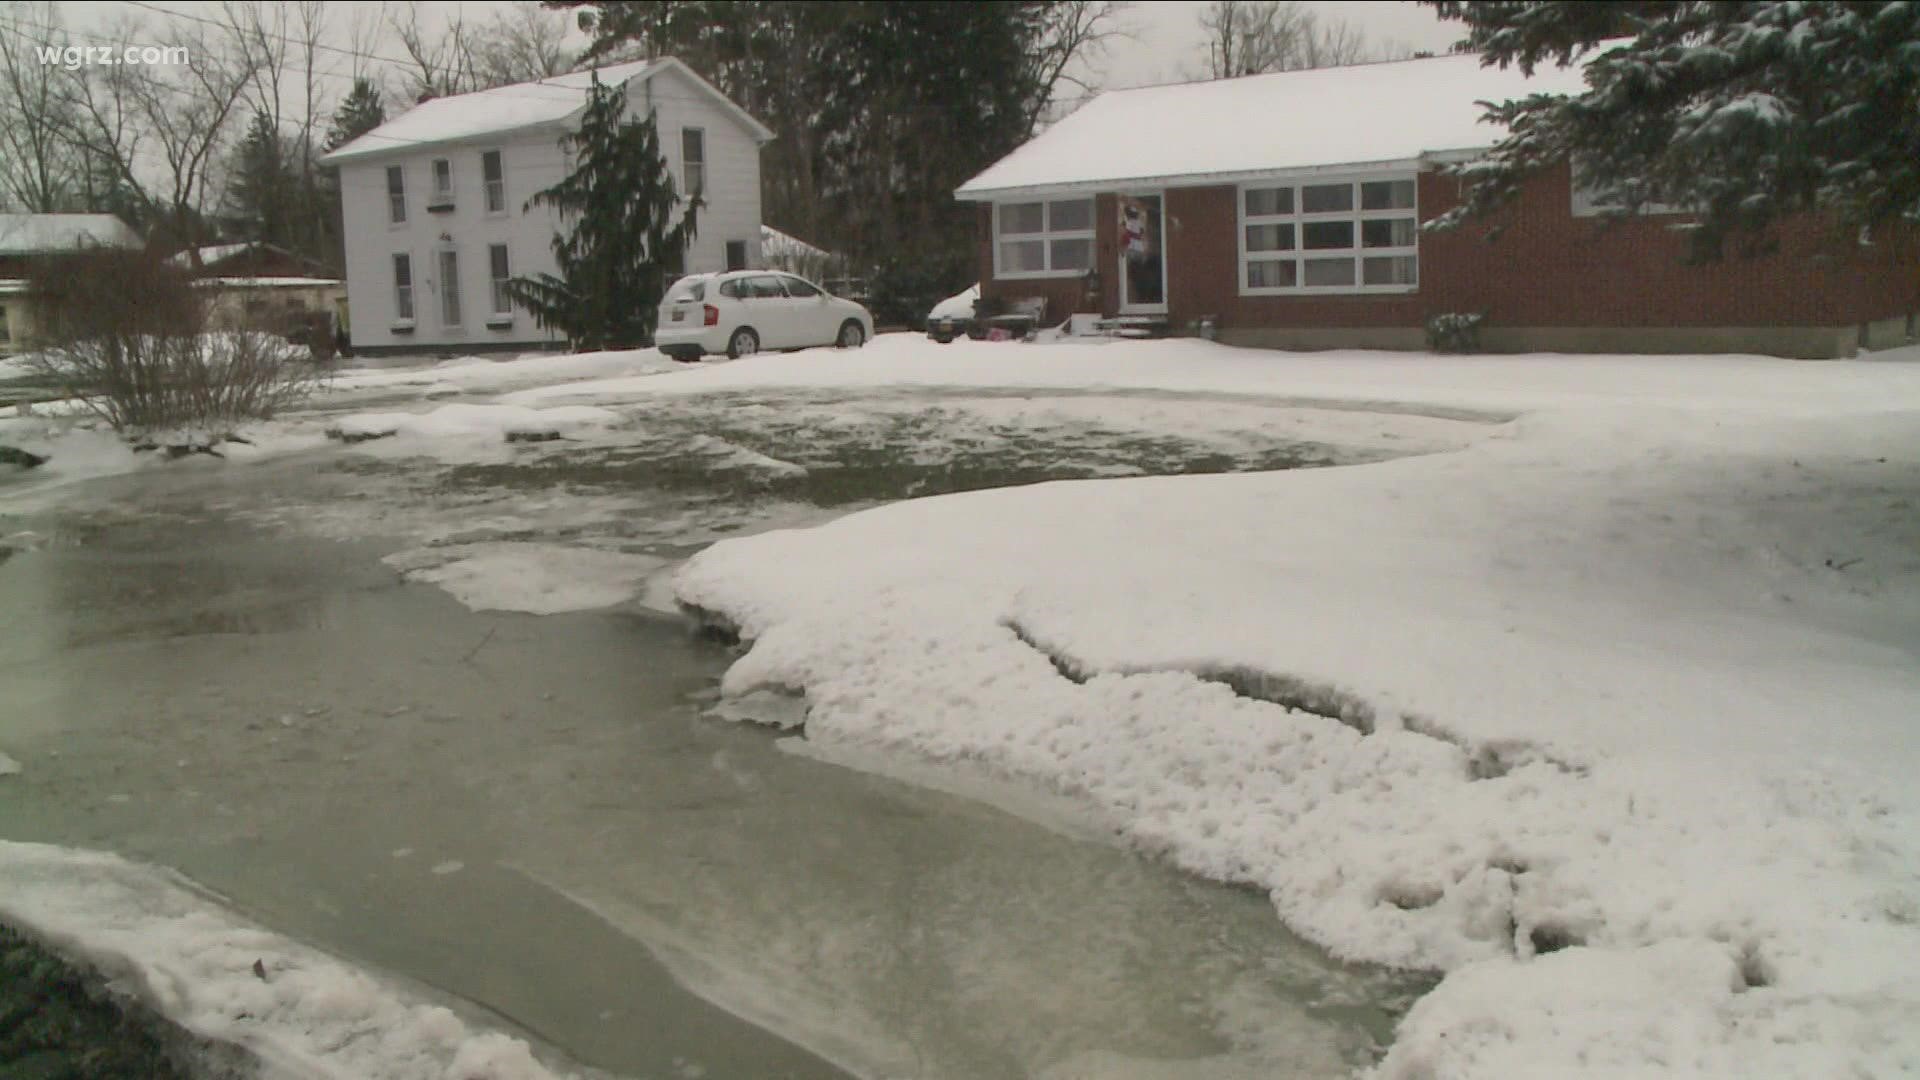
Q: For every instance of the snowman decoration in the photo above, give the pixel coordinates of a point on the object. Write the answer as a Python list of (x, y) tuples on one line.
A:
[(1133, 230)]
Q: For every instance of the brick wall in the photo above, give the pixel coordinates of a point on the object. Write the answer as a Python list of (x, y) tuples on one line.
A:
[(1547, 268)]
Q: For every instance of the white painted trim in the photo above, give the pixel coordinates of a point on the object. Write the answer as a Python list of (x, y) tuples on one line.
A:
[(1172, 180), (505, 206), (1299, 254), (1166, 233)]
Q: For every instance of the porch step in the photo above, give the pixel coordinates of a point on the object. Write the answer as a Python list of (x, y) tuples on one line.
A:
[(1134, 326)]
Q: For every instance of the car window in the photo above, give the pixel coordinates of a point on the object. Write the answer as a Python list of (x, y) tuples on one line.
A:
[(800, 287), (766, 287), (733, 288), (687, 291)]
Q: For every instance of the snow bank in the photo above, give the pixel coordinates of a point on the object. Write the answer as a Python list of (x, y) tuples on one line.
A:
[(1610, 718), (181, 952), (540, 579), (473, 374), (470, 421), (1501, 385)]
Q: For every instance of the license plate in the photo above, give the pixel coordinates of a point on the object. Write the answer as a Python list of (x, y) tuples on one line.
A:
[(678, 315)]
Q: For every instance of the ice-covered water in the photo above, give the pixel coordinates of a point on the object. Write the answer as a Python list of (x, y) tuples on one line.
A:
[(218, 673)]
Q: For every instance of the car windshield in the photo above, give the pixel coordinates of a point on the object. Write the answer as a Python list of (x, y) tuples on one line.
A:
[(687, 292)]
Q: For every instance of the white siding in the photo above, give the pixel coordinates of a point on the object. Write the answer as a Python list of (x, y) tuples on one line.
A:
[(531, 162), (732, 210)]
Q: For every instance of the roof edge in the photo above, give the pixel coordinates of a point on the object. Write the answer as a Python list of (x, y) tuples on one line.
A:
[(965, 193)]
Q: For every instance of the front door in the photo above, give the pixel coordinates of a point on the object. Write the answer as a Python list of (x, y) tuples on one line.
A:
[(1143, 255)]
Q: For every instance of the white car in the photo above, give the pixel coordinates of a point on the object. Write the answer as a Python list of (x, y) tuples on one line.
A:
[(741, 312)]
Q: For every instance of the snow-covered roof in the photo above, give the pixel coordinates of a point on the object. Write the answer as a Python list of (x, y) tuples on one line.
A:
[(268, 282), (211, 253), (775, 244), (540, 103), (1236, 128), (37, 234)]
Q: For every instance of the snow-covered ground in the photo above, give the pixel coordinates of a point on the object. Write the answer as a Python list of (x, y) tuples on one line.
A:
[(1603, 706), (1609, 717), (300, 1012)]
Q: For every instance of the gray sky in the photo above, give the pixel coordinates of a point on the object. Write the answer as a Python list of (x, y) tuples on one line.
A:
[(1163, 42), (1165, 35)]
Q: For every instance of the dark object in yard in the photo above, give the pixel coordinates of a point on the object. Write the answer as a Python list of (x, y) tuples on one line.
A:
[(1455, 332), (176, 451), (1017, 319), (60, 1019), (533, 436), (12, 456), (260, 970)]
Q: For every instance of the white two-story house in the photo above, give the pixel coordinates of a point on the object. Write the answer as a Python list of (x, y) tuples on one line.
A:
[(435, 208)]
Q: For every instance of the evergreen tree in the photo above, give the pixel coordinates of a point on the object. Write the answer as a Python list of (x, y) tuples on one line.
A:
[(359, 112), (264, 191), (1741, 112), (619, 248)]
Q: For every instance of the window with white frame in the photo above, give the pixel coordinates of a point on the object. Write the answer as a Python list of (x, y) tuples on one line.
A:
[(442, 181), (1329, 236), (693, 157), (1044, 238), (396, 194), (497, 264), (6, 331), (494, 173), (403, 288), (449, 287)]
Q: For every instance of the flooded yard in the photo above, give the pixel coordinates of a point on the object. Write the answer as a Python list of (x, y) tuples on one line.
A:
[(242, 673)]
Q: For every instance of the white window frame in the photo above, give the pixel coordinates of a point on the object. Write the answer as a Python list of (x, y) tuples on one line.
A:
[(1046, 236), (1299, 219), (403, 295), (502, 300), (396, 200), (6, 325), (452, 314), (690, 168), (493, 191), (441, 196)]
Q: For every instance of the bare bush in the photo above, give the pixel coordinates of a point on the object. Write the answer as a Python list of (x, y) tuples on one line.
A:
[(147, 385), (128, 337)]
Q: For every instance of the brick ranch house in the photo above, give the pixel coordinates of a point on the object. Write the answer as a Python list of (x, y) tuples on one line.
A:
[(1286, 209)]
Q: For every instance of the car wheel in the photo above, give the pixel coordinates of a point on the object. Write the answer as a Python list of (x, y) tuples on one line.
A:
[(744, 342), (852, 335), (944, 339)]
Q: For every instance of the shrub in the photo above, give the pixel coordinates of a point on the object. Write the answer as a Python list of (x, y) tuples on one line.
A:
[(904, 290), (1455, 332), (127, 335)]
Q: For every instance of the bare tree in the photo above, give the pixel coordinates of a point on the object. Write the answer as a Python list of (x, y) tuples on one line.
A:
[(521, 43), (38, 163), (441, 63), (1074, 35), (1253, 37), (173, 123)]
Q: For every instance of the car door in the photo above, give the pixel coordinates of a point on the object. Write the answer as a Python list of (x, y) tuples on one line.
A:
[(812, 313), (770, 312)]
